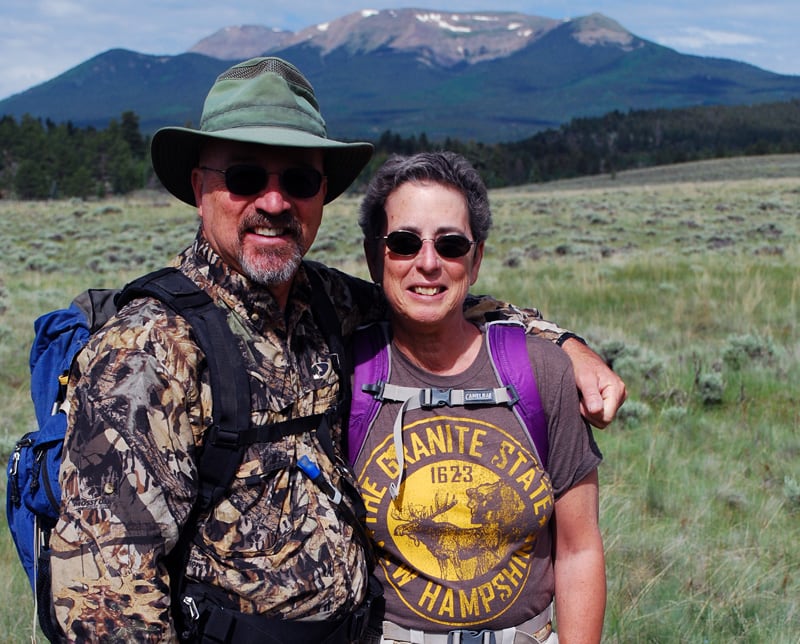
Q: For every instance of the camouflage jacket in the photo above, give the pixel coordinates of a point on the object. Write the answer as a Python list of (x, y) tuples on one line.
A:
[(139, 404)]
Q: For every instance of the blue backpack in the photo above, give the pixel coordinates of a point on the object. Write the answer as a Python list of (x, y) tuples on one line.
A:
[(33, 493), (509, 356)]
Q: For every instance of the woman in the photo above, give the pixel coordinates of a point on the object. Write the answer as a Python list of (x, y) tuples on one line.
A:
[(472, 534)]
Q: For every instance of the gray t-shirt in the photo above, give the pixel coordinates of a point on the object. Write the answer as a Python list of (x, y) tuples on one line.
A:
[(467, 543)]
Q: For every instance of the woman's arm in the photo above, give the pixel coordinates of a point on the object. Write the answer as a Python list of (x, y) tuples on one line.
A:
[(579, 564)]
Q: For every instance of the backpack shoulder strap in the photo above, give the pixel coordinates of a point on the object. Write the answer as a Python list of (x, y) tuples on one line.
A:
[(371, 366), (97, 305), (225, 440), (230, 386), (509, 353)]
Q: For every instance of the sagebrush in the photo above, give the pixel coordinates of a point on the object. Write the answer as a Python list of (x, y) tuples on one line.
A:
[(686, 282)]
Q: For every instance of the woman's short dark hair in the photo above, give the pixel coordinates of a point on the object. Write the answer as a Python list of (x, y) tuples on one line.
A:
[(446, 168)]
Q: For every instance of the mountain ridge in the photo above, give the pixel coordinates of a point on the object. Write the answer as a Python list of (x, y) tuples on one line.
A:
[(485, 76), (465, 36)]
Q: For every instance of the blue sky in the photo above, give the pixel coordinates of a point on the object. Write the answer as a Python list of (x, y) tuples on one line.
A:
[(40, 39)]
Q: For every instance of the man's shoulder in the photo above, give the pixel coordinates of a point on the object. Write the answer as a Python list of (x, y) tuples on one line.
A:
[(143, 321), (340, 284), (331, 274), (355, 300)]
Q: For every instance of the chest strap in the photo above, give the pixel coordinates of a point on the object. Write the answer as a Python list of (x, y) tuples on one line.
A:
[(429, 398)]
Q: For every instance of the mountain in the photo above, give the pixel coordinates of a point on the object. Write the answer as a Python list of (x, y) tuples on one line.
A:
[(489, 76), (246, 41), (442, 39)]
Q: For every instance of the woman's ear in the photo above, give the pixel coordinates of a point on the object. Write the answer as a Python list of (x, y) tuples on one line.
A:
[(476, 262), (374, 260)]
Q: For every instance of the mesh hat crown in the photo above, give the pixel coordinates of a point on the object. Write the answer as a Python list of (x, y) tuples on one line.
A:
[(266, 101)]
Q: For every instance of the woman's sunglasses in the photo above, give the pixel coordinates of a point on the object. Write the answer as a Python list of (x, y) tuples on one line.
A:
[(247, 180), (408, 244)]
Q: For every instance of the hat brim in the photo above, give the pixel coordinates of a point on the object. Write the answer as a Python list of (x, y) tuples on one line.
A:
[(175, 152)]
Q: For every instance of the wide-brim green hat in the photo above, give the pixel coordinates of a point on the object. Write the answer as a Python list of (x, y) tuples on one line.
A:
[(264, 101)]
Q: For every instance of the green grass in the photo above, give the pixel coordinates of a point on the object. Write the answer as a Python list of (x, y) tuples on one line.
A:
[(685, 277)]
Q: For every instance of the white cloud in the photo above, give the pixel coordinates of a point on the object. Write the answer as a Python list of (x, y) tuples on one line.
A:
[(698, 38), (60, 8)]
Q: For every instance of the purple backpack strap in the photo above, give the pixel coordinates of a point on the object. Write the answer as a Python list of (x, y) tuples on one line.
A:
[(371, 364), (509, 353)]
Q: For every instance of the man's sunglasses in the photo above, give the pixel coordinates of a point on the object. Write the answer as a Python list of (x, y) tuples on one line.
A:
[(246, 180), (408, 244)]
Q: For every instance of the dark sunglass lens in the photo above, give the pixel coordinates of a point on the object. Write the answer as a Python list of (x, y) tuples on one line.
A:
[(403, 242), (452, 246), (301, 182), (245, 180)]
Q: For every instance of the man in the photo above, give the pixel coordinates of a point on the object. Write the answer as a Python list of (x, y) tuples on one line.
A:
[(276, 559)]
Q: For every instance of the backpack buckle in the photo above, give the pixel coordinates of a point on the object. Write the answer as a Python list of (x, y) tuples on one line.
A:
[(471, 637), (191, 608), (222, 437), (374, 389), (190, 615), (429, 398), (513, 395)]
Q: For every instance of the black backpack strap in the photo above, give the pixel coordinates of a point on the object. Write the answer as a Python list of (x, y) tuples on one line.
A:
[(230, 386), (222, 449)]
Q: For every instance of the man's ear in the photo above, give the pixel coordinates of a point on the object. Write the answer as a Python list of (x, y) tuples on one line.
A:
[(197, 188)]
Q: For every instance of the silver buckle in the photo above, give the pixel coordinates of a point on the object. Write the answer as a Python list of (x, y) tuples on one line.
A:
[(471, 637), (194, 614)]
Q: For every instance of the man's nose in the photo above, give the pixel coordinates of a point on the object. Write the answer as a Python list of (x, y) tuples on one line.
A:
[(272, 199)]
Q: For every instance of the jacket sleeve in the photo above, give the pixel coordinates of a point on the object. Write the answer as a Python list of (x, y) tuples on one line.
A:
[(484, 308), (128, 481)]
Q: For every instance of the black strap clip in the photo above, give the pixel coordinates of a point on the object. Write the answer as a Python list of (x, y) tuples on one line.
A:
[(223, 437), (374, 389), (430, 398)]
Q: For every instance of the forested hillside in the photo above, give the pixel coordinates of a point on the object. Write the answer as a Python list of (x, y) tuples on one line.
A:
[(40, 160)]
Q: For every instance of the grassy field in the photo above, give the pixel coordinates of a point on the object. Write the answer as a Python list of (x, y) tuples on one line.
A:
[(685, 278)]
